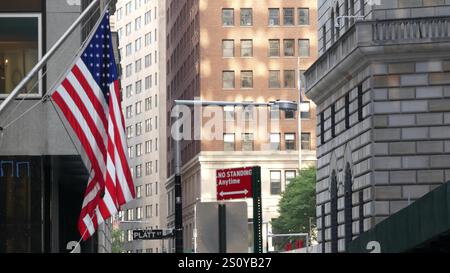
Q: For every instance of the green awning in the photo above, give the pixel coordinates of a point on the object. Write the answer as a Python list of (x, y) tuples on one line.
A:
[(415, 227)]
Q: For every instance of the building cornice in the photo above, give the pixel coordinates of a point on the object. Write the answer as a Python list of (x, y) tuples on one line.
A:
[(376, 41)]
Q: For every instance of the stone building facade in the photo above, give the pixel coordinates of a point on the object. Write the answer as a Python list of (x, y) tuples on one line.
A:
[(382, 89)]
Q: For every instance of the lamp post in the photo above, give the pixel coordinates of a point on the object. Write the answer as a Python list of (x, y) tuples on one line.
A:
[(283, 105)]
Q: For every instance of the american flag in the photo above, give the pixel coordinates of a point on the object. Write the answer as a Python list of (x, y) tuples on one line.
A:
[(89, 99)]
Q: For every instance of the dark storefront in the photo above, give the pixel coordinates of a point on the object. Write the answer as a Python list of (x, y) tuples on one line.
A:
[(40, 200)]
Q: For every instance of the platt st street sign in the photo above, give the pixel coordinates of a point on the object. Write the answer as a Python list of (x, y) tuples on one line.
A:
[(148, 234), (234, 183)]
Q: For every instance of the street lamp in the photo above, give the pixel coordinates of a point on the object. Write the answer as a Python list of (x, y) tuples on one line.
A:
[(283, 105)]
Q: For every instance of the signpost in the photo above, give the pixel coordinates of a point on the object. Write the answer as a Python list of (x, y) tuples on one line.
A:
[(150, 234), (242, 183), (234, 183)]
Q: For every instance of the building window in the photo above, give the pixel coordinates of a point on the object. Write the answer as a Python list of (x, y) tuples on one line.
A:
[(156, 183), (288, 176), (228, 142), (130, 215), (129, 70), (333, 120), (228, 79), (137, 45), (138, 107), (148, 60), (246, 17), (246, 79), (322, 128), (148, 82), (147, 147), (347, 111), (138, 128), (306, 141), (128, 29), (247, 142), (137, 24), (289, 114), (288, 16), (274, 79), (129, 49), (148, 211), (303, 16), (274, 113), (138, 191), (246, 48), (139, 213), (228, 17), (148, 189), (130, 236), (305, 110), (129, 132), (148, 103), (138, 171), (20, 50), (275, 182), (138, 66), (289, 48), (274, 17), (275, 141), (304, 48), (229, 112), (360, 102), (324, 39), (228, 48), (148, 39), (129, 91), (289, 78), (129, 111), (138, 87), (289, 141), (130, 152), (274, 48)]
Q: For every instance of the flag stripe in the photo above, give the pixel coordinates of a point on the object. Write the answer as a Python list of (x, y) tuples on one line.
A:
[(90, 101)]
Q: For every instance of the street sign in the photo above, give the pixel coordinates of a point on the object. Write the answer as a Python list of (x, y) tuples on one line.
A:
[(148, 234), (234, 183)]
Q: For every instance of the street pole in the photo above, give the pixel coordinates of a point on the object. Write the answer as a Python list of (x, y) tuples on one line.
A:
[(178, 203), (257, 210)]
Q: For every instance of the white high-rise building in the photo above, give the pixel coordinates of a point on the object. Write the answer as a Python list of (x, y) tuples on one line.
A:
[(137, 24)]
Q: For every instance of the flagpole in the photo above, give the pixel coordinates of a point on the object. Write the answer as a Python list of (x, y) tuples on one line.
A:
[(45, 58), (299, 116)]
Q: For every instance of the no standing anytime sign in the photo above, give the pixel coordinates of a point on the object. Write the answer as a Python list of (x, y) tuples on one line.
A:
[(234, 183)]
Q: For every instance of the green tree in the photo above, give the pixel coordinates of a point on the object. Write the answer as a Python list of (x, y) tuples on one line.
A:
[(297, 206), (117, 245)]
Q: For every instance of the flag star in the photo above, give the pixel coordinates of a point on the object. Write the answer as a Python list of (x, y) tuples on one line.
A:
[(98, 65), (107, 46), (92, 64), (103, 26), (107, 36), (96, 45), (92, 55), (103, 36), (85, 54), (96, 35), (98, 74), (91, 45)]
